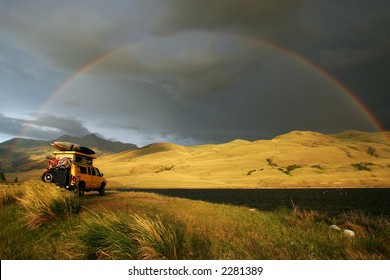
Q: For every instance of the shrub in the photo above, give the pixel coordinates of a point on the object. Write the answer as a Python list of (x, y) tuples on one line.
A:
[(362, 166), (372, 151), (270, 162), (317, 166), (289, 168), (292, 167), (163, 168), (250, 172)]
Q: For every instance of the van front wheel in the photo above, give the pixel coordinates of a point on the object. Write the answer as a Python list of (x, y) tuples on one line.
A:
[(102, 190)]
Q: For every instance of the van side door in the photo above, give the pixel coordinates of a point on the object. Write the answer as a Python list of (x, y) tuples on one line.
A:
[(85, 175), (94, 178)]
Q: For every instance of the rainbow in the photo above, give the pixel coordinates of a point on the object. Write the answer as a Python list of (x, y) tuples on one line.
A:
[(297, 57), (73, 78), (79, 73)]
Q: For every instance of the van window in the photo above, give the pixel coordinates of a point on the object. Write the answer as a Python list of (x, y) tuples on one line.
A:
[(83, 170), (93, 171), (89, 170), (98, 172)]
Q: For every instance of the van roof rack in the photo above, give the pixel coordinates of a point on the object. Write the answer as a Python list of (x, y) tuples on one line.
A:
[(73, 153)]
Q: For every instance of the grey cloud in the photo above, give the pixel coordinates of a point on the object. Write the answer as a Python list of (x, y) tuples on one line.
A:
[(246, 15), (198, 68), (73, 33), (180, 78), (341, 58), (11, 126), (69, 125), (68, 33), (42, 126), (278, 94)]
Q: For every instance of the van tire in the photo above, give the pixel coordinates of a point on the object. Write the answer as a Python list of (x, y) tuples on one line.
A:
[(47, 176), (102, 190), (81, 189)]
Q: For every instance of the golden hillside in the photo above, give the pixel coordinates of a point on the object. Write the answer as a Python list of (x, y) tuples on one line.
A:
[(296, 159)]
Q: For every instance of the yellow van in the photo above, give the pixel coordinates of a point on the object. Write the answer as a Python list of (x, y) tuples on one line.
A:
[(74, 171)]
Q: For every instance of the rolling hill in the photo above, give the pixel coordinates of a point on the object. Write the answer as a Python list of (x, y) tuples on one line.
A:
[(101, 146), (295, 159)]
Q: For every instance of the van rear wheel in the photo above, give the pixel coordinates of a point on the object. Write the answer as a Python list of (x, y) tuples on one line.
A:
[(81, 190)]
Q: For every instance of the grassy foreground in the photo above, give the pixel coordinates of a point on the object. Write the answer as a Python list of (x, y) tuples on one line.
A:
[(42, 221)]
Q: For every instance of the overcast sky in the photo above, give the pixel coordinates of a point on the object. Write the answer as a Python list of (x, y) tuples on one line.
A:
[(190, 71)]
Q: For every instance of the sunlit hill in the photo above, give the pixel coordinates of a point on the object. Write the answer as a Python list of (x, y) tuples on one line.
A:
[(295, 159)]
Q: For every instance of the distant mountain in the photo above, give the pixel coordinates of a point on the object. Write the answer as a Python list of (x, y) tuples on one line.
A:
[(19, 154), (22, 143), (94, 142)]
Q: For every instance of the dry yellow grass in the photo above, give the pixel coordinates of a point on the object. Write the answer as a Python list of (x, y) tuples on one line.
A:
[(296, 159), (135, 225), (44, 203)]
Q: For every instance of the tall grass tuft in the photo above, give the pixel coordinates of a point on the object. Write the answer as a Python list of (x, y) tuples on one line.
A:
[(106, 236), (44, 203), (364, 224), (127, 236), (10, 194), (154, 239)]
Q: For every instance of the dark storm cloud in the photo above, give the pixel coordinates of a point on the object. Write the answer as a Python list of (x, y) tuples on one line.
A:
[(350, 40), (73, 33), (277, 20), (70, 33), (368, 78), (355, 49), (180, 78), (257, 105), (42, 126), (189, 70)]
